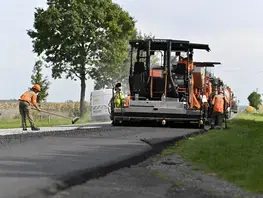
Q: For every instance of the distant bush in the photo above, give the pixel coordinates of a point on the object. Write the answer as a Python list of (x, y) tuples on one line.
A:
[(250, 109), (255, 100)]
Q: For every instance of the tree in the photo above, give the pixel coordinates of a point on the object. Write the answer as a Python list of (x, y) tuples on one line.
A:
[(76, 35), (37, 78), (255, 100), (106, 76), (109, 73)]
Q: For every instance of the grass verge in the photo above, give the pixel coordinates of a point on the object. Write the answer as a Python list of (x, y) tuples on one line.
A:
[(234, 154), (16, 123)]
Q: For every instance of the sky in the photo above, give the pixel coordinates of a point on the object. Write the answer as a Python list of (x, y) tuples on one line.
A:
[(232, 28)]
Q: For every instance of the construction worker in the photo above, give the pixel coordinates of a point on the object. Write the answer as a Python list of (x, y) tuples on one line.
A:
[(119, 99), (127, 100), (218, 104), (204, 103), (25, 101), (190, 62)]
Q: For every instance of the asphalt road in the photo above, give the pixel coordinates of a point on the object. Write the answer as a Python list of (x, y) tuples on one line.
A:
[(33, 163), (157, 177)]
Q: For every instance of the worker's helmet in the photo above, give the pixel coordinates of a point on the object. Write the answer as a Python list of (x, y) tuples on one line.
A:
[(36, 87), (118, 86)]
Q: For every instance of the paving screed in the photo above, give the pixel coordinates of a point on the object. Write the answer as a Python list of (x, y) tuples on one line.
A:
[(34, 164)]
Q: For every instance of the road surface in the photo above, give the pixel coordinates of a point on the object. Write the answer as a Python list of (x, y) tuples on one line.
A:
[(30, 163)]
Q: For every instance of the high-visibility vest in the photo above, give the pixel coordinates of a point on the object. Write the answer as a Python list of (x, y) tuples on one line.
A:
[(190, 64), (218, 102), (30, 97), (127, 101), (119, 100)]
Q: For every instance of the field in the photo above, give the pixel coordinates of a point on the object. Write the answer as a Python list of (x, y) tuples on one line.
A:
[(234, 154), (10, 117)]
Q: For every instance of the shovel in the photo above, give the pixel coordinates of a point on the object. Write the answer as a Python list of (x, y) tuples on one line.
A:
[(73, 120)]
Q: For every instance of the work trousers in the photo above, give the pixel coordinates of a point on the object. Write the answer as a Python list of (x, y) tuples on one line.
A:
[(217, 119), (25, 112), (205, 107)]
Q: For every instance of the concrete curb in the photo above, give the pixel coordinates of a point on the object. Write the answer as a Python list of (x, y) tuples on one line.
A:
[(82, 176)]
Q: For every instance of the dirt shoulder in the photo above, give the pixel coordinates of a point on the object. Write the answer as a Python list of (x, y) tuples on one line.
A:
[(161, 176)]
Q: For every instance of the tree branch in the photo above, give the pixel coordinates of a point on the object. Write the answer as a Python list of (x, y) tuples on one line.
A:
[(75, 73)]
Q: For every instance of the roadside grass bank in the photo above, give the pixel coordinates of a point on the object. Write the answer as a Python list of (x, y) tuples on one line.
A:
[(10, 116), (44, 122), (16, 123), (234, 154)]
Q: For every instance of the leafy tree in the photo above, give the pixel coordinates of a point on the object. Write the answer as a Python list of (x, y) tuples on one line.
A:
[(255, 100), (109, 73), (76, 35), (37, 78)]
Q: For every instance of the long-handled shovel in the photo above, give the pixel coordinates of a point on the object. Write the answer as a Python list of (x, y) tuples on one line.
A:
[(73, 120), (225, 109)]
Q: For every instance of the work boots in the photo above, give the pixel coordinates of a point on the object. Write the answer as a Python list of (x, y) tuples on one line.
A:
[(33, 128), (24, 127)]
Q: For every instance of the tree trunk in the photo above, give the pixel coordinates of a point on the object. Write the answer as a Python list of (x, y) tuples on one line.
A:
[(82, 95)]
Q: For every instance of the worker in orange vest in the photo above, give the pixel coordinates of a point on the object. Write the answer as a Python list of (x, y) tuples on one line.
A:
[(127, 100), (190, 62), (25, 101), (218, 104)]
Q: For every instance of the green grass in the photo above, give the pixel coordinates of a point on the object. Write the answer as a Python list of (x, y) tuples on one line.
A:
[(16, 123), (235, 154)]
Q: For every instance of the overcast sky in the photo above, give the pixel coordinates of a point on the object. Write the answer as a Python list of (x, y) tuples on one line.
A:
[(232, 28)]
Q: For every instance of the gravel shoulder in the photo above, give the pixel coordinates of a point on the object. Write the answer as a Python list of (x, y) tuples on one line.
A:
[(158, 177)]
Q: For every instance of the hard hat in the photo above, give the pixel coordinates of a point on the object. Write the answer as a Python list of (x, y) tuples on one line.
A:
[(118, 86), (36, 87)]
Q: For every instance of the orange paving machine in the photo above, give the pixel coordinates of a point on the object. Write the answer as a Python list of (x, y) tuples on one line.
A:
[(171, 92)]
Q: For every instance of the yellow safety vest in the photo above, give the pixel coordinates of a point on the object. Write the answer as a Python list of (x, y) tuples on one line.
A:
[(119, 100)]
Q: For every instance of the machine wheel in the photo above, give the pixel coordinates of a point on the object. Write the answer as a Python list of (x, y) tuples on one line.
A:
[(115, 123)]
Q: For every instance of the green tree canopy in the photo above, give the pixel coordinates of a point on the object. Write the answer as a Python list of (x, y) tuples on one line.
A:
[(110, 72), (37, 78), (255, 100), (76, 35)]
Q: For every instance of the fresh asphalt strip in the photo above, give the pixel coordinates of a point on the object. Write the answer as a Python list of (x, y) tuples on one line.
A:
[(80, 177)]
